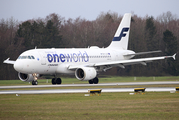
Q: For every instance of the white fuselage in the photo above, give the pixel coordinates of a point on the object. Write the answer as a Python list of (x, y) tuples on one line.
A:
[(56, 61)]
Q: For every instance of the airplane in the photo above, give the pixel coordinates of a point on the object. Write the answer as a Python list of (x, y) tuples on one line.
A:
[(84, 63)]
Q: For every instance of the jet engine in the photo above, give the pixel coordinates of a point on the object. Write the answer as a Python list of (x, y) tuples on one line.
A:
[(85, 73), (25, 77)]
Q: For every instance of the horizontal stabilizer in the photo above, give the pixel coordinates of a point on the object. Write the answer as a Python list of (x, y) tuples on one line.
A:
[(142, 53)]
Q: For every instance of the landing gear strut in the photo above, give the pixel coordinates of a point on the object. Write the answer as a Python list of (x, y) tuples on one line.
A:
[(56, 81), (95, 81), (34, 82)]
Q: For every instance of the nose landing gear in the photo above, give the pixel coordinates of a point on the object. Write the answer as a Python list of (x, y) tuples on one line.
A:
[(35, 82)]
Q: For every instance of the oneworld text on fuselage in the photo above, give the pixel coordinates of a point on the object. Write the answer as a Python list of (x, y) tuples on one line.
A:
[(68, 57)]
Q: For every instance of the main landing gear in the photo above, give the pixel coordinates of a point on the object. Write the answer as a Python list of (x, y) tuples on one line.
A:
[(56, 81), (59, 81), (94, 81)]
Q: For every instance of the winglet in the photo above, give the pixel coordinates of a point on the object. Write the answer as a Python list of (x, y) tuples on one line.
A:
[(174, 56), (8, 61)]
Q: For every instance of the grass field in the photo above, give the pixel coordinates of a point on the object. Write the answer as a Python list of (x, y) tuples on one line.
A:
[(108, 106)]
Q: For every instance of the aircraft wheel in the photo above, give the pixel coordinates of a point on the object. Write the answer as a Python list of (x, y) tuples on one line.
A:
[(95, 80), (58, 81), (53, 81), (90, 81), (34, 82)]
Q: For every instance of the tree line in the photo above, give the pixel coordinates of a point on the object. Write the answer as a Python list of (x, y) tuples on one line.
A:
[(54, 31)]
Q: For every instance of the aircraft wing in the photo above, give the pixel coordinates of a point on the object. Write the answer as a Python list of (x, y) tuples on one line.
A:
[(135, 61), (122, 63), (9, 61)]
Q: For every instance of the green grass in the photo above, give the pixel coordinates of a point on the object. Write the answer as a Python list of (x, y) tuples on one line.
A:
[(108, 79), (108, 106)]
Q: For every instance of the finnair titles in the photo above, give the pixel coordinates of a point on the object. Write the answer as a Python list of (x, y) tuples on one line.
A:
[(84, 63)]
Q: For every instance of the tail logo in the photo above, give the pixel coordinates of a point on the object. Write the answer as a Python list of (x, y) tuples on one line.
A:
[(122, 34)]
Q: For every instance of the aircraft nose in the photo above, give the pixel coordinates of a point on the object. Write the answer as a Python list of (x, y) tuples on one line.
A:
[(18, 66)]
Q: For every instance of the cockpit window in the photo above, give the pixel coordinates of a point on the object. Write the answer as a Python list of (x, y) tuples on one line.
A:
[(26, 57), (23, 57), (32, 57), (29, 57)]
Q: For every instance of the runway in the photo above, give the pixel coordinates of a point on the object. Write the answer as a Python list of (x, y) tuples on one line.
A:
[(150, 89), (89, 85)]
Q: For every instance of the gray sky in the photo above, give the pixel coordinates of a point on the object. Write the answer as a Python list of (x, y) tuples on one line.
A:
[(22, 10)]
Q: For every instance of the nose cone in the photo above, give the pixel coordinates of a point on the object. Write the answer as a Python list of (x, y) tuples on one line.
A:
[(18, 66)]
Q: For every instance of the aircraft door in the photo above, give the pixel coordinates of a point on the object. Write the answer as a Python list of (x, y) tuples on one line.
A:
[(43, 58)]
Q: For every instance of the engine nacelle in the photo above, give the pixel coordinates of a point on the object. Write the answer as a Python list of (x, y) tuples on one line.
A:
[(25, 77), (85, 73)]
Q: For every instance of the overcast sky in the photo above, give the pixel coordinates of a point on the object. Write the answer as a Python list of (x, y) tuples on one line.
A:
[(23, 10)]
